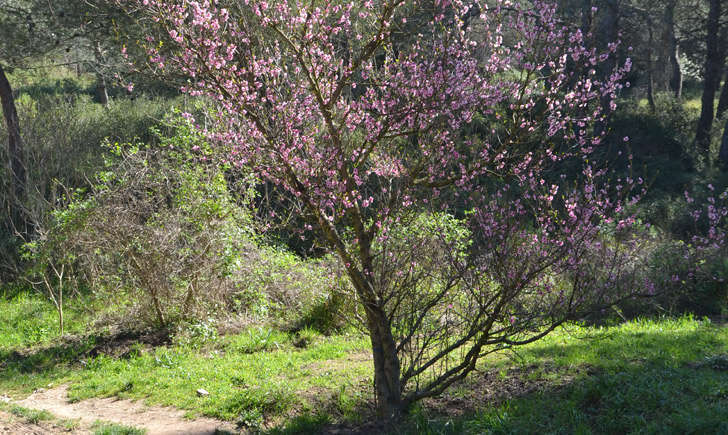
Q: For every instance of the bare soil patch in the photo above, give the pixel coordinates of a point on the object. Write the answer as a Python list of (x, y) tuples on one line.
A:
[(156, 420), (12, 425)]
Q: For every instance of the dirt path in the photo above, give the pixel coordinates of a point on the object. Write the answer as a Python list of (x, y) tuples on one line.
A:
[(156, 420), (12, 425)]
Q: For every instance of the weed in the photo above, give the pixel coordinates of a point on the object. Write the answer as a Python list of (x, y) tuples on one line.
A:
[(105, 428), (33, 416)]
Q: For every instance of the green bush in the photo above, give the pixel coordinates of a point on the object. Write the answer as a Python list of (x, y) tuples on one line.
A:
[(274, 284), (63, 136), (689, 280), (166, 241), (159, 233)]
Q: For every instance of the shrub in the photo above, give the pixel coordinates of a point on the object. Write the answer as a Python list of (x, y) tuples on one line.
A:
[(160, 232), (690, 280), (697, 261), (63, 136), (277, 285), (167, 237), (686, 258)]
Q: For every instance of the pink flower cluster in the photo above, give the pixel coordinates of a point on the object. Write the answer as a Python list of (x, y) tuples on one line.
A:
[(362, 109)]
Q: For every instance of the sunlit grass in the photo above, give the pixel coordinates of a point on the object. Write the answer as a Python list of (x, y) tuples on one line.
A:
[(239, 377), (29, 319), (102, 428), (689, 104)]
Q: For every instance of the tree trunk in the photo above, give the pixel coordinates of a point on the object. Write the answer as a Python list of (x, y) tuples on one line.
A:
[(671, 43), (15, 141), (608, 32), (712, 70), (387, 385), (587, 16), (60, 305), (723, 100), (723, 155), (650, 70), (676, 81), (101, 92)]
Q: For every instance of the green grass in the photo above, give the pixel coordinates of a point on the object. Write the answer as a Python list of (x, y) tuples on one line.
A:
[(103, 428), (645, 376), (648, 376), (246, 378), (29, 319), (258, 374), (32, 355), (33, 416)]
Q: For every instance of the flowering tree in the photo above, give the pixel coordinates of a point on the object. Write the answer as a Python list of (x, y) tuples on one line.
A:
[(368, 113)]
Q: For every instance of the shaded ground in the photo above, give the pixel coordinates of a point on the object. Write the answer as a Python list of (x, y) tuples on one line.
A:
[(75, 350), (493, 387), (156, 420)]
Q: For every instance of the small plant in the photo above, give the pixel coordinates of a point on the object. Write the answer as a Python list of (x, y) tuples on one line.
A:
[(197, 334), (258, 339), (164, 360), (71, 425), (251, 419), (716, 362), (51, 268), (106, 428), (33, 416)]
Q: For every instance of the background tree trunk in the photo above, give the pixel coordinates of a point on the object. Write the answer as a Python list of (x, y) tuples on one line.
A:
[(101, 93), (713, 67), (608, 32), (723, 155), (15, 141), (650, 69), (670, 40), (723, 100), (676, 80), (587, 15)]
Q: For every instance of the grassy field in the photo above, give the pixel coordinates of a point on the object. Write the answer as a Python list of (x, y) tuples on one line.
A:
[(647, 376)]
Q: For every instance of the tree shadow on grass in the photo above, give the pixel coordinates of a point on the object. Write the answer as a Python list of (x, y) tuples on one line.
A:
[(28, 370), (651, 400), (620, 382), (654, 382), (43, 359), (37, 366)]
